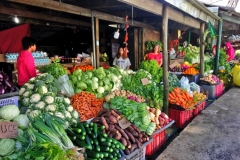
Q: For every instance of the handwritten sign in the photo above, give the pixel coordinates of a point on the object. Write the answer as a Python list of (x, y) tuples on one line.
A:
[(124, 123), (8, 129), (174, 64), (145, 81)]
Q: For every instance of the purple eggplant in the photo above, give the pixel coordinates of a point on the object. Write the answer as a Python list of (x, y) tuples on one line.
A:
[(2, 90), (11, 90), (5, 77), (1, 75), (8, 83)]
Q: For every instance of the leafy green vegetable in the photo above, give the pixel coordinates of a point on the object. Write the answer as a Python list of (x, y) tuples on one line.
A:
[(7, 146), (150, 44)]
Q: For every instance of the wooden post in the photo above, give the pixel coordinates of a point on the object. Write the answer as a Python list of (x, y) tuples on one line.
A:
[(97, 42), (165, 58), (93, 41), (189, 37), (202, 46), (218, 46)]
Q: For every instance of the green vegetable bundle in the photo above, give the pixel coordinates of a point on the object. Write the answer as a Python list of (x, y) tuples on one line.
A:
[(135, 112), (40, 95), (150, 45)]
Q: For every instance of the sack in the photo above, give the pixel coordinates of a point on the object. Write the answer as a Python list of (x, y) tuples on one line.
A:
[(236, 75), (194, 87)]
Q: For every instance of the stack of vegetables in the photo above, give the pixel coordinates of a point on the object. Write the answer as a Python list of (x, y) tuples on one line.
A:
[(83, 68), (158, 117), (198, 96), (191, 71), (9, 148), (135, 112), (153, 68), (98, 81), (130, 137), (86, 104), (41, 94), (210, 78), (5, 85), (98, 144), (151, 92), (173, 81)]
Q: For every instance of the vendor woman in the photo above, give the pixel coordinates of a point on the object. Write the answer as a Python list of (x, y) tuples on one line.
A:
[(155, 55), (122, 59)]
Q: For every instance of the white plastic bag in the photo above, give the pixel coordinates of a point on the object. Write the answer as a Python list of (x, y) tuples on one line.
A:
[(185, 85), (194, 87)]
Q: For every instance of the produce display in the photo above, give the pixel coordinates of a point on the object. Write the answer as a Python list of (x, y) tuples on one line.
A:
[(198, 96), (124, 93), (210, 78), (41, 94), (153, 68), (97, 143), (83, 68), (191, 71), (173, 81), (131, 137), (86, 104), (5, 85)]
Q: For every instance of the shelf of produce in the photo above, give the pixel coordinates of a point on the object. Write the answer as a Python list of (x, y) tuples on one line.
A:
[(137, 154), (181, 118), (70, 65), (214, 90)]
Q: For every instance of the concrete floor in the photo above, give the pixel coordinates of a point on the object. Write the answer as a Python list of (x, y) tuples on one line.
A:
[(213, 135)]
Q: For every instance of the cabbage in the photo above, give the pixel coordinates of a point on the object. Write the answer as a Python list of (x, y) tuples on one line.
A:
[(7, 146), (106, 81), (22, 121), (81, 85), (95, 79), (8, 112), (100, 90), (94, 85)]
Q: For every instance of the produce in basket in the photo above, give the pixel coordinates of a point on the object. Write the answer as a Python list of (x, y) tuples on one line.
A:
[(210, 78), (5, 85)]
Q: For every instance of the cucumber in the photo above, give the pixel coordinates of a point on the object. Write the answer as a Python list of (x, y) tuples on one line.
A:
[(70, 133), (108, 144), (89, 158), (81, 143), (80, 125), (76, 130), (114, 141), (104, 148), (101, 139), (95, 129), (95, 141), (91, 124), (103, 134), (101, 128), (85, 124), (105, 154), (88, 131), (97, 147), (109, 139), (110, 150), (88, 141), (73, 138), (110, 156), (81, 137), (117, 146), (93, 154), (121, 146)]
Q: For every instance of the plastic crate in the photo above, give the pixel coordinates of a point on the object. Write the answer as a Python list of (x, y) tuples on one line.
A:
[(214, 90), (159, 140), (181, 118), (7, 95), (201, 106), (192, 78), (9, 101)]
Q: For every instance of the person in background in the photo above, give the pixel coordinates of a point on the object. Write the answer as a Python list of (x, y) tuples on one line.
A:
[(229, 51), (214, 50), (155, 55), (121, 59), (25, 61)]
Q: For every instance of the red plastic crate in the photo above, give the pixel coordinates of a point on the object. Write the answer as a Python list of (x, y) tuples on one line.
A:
[(181, 118), (159, 140), (199, 108), (219, 89)]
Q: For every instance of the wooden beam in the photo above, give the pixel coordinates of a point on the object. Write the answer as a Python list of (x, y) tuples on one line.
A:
[(165, 57), (202, 46), (156, 8), (64, 7), (97, 42), (35, 15), (93, 41)]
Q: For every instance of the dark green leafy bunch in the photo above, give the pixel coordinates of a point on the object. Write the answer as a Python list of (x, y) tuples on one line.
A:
[(153, 68), (173, 81), (150, 45), (55, 69)]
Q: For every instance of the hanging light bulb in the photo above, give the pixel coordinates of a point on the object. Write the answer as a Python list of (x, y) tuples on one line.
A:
[(116, 34), (16, 19)]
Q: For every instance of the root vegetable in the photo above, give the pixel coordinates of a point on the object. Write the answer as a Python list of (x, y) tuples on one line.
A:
[(111, 127), (130, 129), (117, 136), (134, 133), (134, 146), (122, 132), (113, 119), (130, 136), (136, 129), (127, 151), (107, 114), (157, 113), (123, 141), (100, 113), (138, 143), (115, 114), (96, 120), (104, 123), (129, 145)]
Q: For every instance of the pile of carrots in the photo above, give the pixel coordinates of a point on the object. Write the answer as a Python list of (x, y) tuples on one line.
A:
[(87, 105), (181, 98), (83, 68), (191, 70)]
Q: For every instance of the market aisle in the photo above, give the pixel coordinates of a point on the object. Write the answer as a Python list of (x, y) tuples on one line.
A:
[(213, 134)]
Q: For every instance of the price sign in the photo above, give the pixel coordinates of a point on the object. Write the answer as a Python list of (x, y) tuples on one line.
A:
[(145, 81), (174, 64), (124, 123), (8, 129)]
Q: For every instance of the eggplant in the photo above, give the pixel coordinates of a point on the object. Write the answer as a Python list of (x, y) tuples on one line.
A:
[(5, 86), (1, 75), (11, 90), (2, 90), (8, 83), (6, 77)]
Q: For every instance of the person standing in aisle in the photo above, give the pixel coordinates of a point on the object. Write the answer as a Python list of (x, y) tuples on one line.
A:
[(229, 51), (121, 59), (155, 55), (25, 61)]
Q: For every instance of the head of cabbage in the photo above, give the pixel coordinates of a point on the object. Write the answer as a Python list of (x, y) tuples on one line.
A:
[(7, 146)]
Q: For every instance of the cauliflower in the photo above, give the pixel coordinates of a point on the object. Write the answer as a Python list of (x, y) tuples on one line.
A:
[(29, 86), (21, 91), (27, 94), (70, 108), (60, 115), (74, 121), (35, 98), (25, 102), (67, 101), (42, 90), (28, 111), (75, 114), (40, 105), (51, 108), (68, 115), (51, 113), (49, 99), (34, 113)]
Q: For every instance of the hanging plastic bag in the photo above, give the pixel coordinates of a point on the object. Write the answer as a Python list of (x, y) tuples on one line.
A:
[(194, 87), (66, 86), (236, 75), (185, 84)]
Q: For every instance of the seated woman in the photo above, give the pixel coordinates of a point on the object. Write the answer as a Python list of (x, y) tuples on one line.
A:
[(155, 55), (122, 59)]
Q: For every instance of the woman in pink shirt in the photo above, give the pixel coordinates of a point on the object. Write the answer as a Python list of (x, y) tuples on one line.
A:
[(155, 55), (230, 51), (25, 61)]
